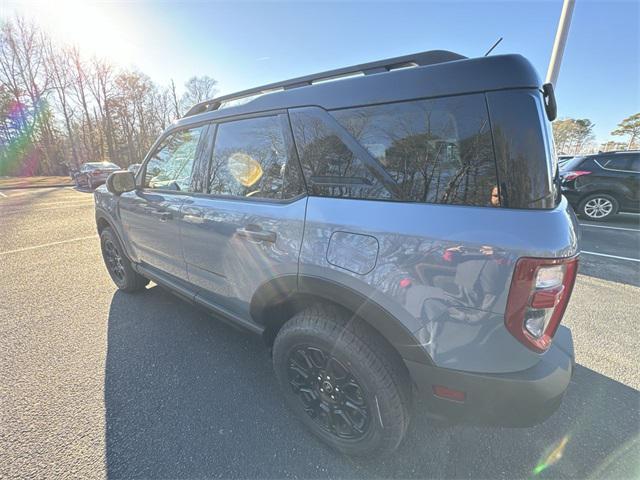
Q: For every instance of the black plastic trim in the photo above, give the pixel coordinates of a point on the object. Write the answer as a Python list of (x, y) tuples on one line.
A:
[(393, 330), (518, 399), (183, 290)]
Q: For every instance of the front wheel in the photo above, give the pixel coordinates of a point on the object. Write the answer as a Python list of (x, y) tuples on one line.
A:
[(343, 381), (118, 265), (599, 206)]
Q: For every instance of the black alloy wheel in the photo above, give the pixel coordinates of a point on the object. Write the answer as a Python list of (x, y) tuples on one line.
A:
[(329, 392), (118, 264), (113, 259)]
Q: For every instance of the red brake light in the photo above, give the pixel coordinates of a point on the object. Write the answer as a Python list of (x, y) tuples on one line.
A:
[(539, 294), (568, 176)]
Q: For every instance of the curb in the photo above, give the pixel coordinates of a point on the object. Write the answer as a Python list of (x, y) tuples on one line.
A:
[(38, 186)]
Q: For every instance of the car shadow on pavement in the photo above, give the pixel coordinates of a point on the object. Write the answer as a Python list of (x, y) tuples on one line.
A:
[(187, 396)]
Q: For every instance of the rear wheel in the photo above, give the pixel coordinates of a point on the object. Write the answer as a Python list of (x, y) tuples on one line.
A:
[(118, 265), (342, 381), (599, 206)]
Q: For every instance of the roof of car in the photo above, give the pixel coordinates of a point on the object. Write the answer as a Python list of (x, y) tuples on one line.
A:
[(611, 153), (453, 75)]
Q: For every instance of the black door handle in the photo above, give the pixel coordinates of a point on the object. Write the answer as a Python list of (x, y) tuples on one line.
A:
[(262, 235)]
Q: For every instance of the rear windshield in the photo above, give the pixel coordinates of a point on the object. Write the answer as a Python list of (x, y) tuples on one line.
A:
[(571, 164)]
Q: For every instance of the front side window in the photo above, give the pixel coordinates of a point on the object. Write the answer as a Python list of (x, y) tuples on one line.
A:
[(170, 166), (437, 151), (250, 159)]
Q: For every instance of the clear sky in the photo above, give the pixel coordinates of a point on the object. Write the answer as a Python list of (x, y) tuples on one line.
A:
[(247, 44)]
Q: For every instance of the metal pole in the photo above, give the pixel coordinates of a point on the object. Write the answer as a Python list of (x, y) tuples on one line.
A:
[(560, 42)]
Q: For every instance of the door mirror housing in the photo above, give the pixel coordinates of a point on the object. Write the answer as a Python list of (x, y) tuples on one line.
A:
[(120, 182)]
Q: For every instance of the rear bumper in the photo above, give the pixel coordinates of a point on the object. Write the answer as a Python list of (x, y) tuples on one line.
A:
[(518, 399), (100, 178), (573, 196)]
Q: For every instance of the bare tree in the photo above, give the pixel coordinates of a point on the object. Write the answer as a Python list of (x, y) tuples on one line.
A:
[(58, 109), (199, 89)]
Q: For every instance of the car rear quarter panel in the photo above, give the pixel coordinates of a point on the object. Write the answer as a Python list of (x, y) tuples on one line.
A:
[(443, 271)]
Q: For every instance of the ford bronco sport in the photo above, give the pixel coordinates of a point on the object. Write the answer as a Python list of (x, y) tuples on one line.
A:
[(396, 231)]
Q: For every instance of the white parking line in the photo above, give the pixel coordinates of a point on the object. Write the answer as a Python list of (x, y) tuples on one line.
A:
[(3, 195), (612, 228), (47, 245), (611, 256)]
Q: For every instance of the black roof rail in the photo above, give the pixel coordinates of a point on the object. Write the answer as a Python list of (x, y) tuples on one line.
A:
[(430, 57), (601, 152)]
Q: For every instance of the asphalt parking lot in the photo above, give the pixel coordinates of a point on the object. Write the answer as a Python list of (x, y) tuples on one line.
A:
[(97, 383)]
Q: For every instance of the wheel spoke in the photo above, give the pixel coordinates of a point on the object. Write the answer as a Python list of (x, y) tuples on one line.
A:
[(316, 357), (337, 371), (301, 370)]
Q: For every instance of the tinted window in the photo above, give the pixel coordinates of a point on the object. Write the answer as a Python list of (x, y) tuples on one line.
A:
[(619, 162), (437, 151), (170, 166), (331, 167), (628, 162), (250, 159), (572, 164)]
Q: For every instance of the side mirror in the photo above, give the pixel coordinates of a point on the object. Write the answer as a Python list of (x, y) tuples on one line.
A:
[(120, 182), (550, 105)]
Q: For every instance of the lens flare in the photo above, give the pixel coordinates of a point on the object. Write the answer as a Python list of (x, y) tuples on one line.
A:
[(20, 157), (553, 456)]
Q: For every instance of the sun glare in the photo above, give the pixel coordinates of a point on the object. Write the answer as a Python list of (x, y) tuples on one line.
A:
[(95, 28)]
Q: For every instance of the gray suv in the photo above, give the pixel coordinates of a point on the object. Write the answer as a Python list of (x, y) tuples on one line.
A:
[(392, 229)]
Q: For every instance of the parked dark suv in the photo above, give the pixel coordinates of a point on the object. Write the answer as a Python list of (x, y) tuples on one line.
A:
[(599, 186), (396, 231)]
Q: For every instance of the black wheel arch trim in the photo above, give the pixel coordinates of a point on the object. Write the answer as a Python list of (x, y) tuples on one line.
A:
[(284, 288), (104, 216)]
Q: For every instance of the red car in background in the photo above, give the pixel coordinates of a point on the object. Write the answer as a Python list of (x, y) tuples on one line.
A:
[(92, 174)]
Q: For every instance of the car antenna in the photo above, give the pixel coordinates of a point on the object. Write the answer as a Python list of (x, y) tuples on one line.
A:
[(494, 46)]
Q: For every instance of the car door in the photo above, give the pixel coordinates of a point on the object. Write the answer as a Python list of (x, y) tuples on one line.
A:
[(634, 182), (619, 168), (246, 227), (150, 214)]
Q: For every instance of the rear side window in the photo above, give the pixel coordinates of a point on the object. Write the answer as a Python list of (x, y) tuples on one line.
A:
[(331, 167), (437, 151), (252, 158), (623, 162)]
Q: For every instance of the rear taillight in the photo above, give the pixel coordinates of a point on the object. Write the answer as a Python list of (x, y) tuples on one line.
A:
[(568, 176), (539, 294)]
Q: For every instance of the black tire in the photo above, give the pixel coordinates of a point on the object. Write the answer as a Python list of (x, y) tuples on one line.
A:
[(597, 207), (89, 183), (372, 412), (118, 265)]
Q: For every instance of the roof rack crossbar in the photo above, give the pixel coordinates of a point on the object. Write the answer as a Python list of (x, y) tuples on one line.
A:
[(430, 57)]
